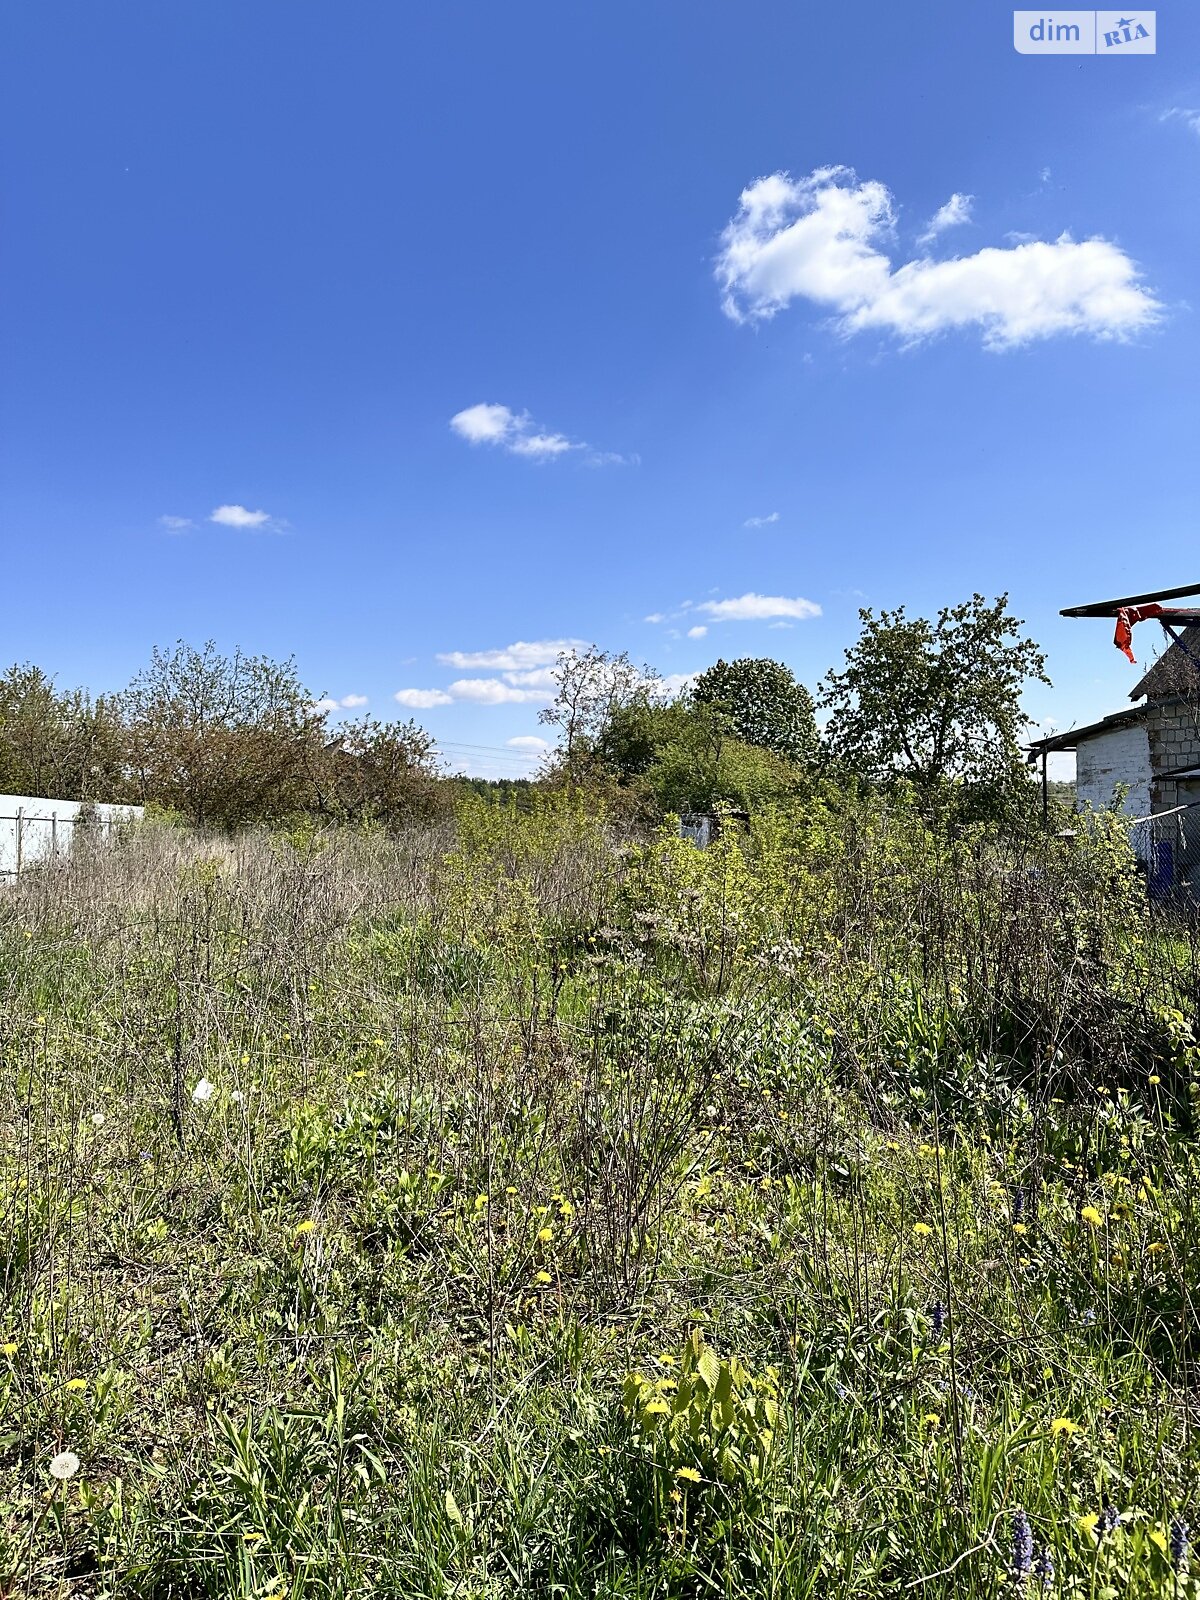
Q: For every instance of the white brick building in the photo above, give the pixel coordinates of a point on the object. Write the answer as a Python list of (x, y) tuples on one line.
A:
[(1152, 752)]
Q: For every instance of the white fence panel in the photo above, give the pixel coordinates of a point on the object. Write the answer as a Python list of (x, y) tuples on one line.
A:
[(34, 829)]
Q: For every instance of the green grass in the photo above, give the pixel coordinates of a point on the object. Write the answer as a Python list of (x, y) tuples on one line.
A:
[(500, 1119)]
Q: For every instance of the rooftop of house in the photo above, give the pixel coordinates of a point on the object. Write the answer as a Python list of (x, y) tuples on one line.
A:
[(1174, 676), (1074, 737), (1176, 673)]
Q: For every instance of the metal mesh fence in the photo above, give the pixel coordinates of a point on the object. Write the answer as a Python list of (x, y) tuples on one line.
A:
[(1168, 847)]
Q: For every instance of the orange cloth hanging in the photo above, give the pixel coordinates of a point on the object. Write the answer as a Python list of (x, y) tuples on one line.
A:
[(1126, 617)]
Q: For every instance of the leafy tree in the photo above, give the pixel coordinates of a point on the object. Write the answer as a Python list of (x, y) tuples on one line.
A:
[(765, 705), (373, 771), (508, 793), (592, 686), (58, 744), (934, 702), (683, 757), (225, 740)]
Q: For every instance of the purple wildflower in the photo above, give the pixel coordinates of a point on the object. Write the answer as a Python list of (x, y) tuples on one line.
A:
[(1180, 1544), (1022, 1547)]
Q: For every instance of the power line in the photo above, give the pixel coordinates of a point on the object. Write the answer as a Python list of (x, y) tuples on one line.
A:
[(462, 744)]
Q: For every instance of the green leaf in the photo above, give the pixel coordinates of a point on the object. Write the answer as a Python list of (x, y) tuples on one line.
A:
[(709, 1366), (452, 1510)]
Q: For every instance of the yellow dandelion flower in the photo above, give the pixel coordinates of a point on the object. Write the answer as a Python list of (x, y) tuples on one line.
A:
[(657, 1408), (1088, 1524), (688, 1474), (1090, 1214), (921, 1230), (931, 1420), (1154, 1078), (1062, 1425), (9, 1349), (542, 1277), (76, 1385), (545, 1235), (307, 1226), (1155, 1249), (1019, 1227)]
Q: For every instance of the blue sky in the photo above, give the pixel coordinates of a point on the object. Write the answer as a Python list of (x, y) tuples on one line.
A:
[(258, 256)]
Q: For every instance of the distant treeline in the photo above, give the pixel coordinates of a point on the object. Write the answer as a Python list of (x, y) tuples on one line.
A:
[(221, 740), (233, 740)]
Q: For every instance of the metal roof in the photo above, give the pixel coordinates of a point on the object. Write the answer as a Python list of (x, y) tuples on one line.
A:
[(1076, 736), (1109, 608)]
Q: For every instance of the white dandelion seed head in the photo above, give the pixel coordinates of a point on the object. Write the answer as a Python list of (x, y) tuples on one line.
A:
[(97, 1119), (64, 1465), (203, 1091), (237, 1097)]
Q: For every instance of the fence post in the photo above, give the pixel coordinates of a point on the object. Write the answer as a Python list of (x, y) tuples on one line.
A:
[(19, 815)]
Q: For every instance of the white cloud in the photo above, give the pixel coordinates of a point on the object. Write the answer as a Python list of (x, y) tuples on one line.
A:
[(348, 702), (529, 743), (697, 632), (1188, 115), (676, 682), (758, 608), (655, 616), (484, 424), (516, 432), (422, 699), (495, 692), (541, 445), (761, 522), (953, 214), (513, 657), (239, 517), (175, 524), (819, 239), (536, 678)]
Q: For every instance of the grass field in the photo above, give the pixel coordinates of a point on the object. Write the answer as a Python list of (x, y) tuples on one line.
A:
[(524, 1210)]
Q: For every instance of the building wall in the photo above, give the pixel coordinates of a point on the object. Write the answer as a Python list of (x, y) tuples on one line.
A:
[(1120, 756), (33, 829), (1174, 738)]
